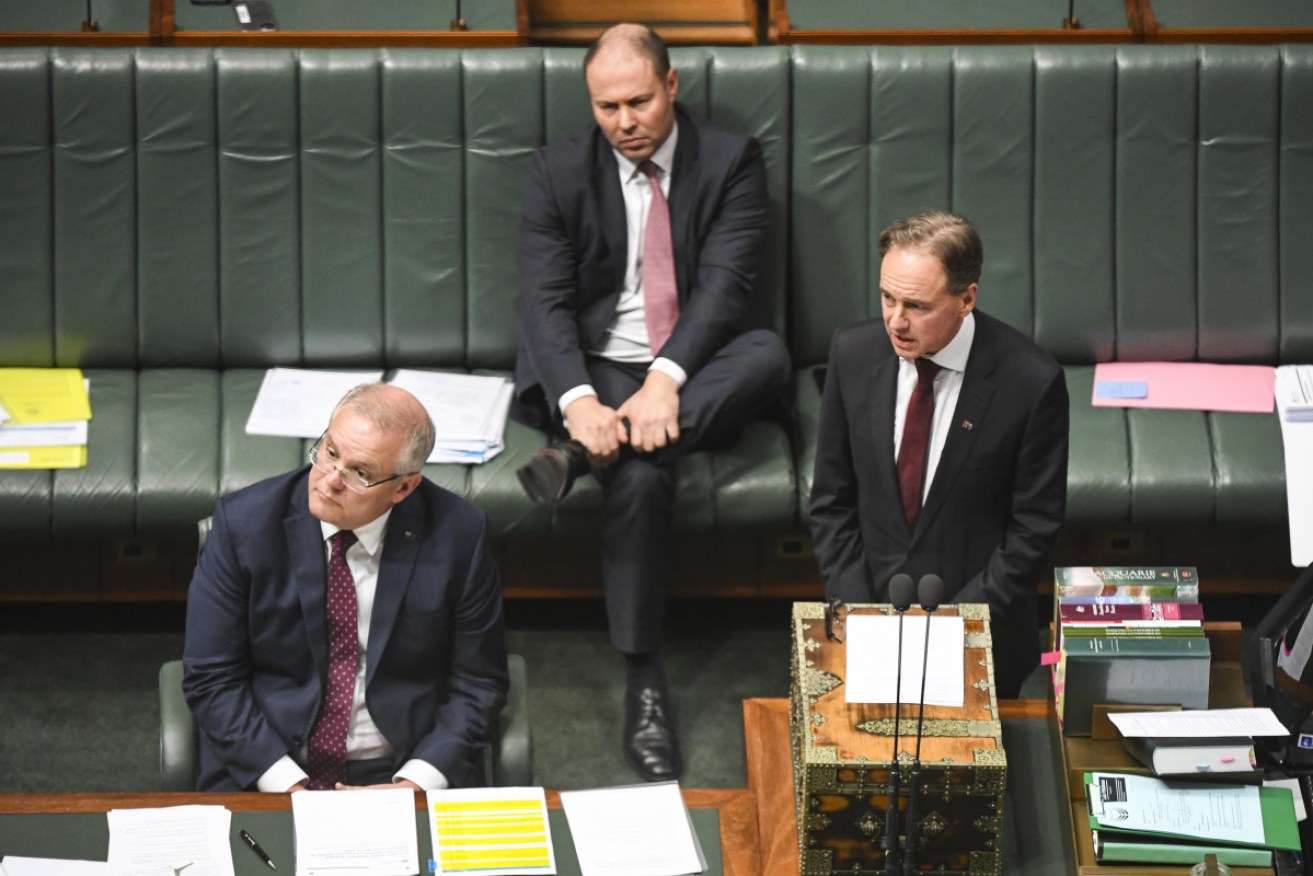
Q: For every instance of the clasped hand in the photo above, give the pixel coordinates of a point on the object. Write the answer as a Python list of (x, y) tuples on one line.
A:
[(647, 421)]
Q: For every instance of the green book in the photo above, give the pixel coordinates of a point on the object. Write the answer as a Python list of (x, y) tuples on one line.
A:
[(1114, 647), (1130, 671), (1090, 631), (1091, 575), (1142, 849)]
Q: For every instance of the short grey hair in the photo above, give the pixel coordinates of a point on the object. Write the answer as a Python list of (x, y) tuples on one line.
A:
[(367, 400), (948, 237)]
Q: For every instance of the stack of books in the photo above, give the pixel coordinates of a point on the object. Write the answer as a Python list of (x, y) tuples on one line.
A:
[(1127, 635), (44, 415)]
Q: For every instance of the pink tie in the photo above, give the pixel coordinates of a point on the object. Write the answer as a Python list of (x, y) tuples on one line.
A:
[(327, 746), (660, 295), (914, 449)]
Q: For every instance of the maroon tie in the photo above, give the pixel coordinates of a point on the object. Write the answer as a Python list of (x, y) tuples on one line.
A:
[(660, 295), (327, 746), (914, 450)]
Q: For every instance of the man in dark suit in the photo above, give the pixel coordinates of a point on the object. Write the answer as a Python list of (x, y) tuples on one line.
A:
[(942, 444), (639, 245), (344, 623)]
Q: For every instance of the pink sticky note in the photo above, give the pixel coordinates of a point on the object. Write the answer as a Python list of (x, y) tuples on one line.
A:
[(1191, 386), (1049, 658)]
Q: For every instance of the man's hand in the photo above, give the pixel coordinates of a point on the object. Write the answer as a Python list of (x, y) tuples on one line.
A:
[(407, 784), (653, 413), (598, 428)]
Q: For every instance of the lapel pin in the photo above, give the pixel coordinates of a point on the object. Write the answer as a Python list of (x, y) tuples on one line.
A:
[(968, 425), (408, 535)]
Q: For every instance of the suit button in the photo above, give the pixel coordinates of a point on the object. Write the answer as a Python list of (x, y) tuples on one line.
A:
[(298, 741)]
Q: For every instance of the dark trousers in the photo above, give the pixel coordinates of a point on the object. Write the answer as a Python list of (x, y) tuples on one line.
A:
[(741, 381)]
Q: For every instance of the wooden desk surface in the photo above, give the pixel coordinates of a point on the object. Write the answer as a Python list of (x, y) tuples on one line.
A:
[(736, 809)]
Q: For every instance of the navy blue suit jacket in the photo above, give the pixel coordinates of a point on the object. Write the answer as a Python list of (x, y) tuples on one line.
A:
[(256, 653), (573, 250), (997, 499)]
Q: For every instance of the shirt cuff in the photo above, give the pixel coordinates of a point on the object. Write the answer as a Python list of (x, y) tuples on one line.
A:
[(670, 369), (424, 774), (575, 394), (281, 776)]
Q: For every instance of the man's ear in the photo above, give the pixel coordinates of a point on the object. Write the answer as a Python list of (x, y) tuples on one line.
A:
[(672, 83), (969, 298), (408, 485)]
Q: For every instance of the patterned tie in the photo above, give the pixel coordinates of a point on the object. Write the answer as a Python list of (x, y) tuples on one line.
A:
[(660, 295), (914, 450), (327, 746)]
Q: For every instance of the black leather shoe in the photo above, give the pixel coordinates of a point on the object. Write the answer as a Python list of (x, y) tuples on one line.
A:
[(551, 471), (649, 742)]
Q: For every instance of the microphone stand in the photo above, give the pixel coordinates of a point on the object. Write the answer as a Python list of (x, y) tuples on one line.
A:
[(900, 596), (929, 591)]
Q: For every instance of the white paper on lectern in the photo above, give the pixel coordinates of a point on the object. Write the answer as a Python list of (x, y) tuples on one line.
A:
[(633, 830), (872, 646), (1199, 723), (297, 402)]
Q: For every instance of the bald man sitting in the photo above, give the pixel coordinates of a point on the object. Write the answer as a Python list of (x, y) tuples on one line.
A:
[(344, 623)]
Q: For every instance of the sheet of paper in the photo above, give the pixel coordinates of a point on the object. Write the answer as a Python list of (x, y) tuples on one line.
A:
[(634, 830), (43, 457), (12, 865), (1199, 723), (71, 433), (44, 395), (1291, 785), (1228, 813), (362, 832), (146, 842), (469, 412), (491, 830), (1194, 386), (297, 402), (872, 646), (1295, 383)]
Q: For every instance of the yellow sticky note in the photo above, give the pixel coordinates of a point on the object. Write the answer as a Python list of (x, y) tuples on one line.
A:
[(44, 395), (43, 457)]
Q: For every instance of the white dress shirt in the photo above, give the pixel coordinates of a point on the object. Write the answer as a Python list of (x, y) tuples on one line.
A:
[(363, 741), (952, 360), (626, 338)]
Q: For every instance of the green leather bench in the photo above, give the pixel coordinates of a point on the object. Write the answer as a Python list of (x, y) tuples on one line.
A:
[(176, 221)]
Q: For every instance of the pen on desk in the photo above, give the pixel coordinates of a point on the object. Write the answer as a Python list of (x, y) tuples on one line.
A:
[(255, 847)]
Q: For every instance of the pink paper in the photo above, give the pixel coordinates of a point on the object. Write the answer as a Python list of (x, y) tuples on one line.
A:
[(1048, 658), (1192, 386)]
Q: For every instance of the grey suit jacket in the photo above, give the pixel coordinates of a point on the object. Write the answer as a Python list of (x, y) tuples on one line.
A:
[(256, 653), (995, 505)]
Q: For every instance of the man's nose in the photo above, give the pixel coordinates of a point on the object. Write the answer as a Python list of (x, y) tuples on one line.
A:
[(626, 119)]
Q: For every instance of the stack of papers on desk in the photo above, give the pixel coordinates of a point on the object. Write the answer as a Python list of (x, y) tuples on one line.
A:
[(191, 839), (468, 410), (1294, 392), (43, 418)]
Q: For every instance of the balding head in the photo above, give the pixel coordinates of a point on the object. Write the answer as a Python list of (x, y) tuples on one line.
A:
[(393, 409), (630, 40)]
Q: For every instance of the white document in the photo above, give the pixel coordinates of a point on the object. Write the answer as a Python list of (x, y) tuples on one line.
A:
[(71, 433), (1294, 396), (872, 646), (634, 830), (297, 402), (11, 865), (147, 842), (491, 830), (1227, 813), (355, 832), (1199, 723), (4, 415), (469, 412)]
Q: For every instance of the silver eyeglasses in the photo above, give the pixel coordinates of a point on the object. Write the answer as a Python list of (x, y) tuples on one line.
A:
[(353, 479)]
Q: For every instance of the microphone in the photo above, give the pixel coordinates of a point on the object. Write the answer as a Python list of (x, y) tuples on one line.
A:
[(900, 596), (930, 590)]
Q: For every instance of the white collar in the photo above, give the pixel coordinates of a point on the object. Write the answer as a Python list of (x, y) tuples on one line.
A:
[(369, 534), (664, 157), (955, 353)]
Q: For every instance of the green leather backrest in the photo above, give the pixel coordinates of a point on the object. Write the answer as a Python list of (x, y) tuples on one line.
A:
[(1135, 202), (247, 208)]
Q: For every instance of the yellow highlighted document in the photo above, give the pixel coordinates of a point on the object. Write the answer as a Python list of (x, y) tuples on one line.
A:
[(44, 395), (491, 830)]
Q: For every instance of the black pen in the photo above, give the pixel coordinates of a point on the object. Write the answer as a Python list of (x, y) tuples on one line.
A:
[(255, 847)]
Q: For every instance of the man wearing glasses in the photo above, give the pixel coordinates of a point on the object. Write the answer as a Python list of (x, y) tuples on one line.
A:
[(344, 623)]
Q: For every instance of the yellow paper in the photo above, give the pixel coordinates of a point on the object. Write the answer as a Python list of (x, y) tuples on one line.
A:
[(43, 457), (44, 395), (491, 830)]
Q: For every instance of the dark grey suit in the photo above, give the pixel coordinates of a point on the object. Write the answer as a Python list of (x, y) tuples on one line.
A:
[(572, 257), (997, 499), (256, 653)]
